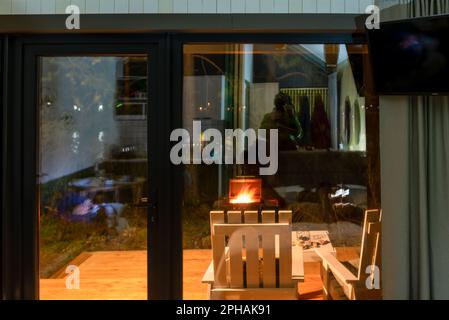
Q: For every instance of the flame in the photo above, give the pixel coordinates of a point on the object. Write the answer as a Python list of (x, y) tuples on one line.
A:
[(245, 195)]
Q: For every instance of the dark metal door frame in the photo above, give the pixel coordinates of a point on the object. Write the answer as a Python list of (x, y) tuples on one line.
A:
[(19, 206), (20, 211)]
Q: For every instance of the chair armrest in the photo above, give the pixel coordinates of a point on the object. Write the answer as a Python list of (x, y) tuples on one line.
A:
[(337, 268), (209, 274), (297, 264)]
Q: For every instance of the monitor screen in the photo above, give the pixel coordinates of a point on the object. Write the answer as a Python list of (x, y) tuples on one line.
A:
[(411, 57)]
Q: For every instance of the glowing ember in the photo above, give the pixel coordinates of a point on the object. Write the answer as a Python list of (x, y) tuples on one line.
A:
[(243, 191), (246, 195)]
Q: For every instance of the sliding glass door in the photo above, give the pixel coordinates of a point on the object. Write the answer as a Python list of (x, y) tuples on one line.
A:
[(93, 176), (86, 209)]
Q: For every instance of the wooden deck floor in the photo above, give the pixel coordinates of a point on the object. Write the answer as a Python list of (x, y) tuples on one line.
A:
[(112, 275)]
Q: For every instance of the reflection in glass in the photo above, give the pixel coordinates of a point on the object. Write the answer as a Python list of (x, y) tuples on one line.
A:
[(93, 177), (314, 95)]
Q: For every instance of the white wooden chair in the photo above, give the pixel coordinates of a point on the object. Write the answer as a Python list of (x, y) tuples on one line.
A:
[(339, 282), (253, 260)]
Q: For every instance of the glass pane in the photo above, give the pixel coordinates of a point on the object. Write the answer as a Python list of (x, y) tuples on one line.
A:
[(93, 177), (314, 95)]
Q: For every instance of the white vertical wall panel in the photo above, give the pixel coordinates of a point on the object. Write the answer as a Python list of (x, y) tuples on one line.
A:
[(60, 5), (92, 6), (210, 6), (324, 6), (5, 6), (266, 6), (237, 6), (338, 6), (352, 6), (121, 6), (19, 7), (223, 6), (107, 6), (281, 6), (252, 6), (295, 6), (33, 7), (180, 6), (165, 6), (48, 6), (150, 6), (194, 6), (187, 6), (135, 6), (309, 6)]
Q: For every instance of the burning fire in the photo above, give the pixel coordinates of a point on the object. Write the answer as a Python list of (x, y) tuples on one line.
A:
[(246, 195), (243, 191)]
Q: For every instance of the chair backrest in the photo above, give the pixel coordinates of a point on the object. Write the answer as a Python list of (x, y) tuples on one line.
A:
[(252, 250), (369, 251)]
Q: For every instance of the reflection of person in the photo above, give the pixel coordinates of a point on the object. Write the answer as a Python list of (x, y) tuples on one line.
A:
[(284, 119)]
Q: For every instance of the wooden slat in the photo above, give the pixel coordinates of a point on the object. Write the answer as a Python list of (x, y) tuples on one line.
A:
[(215, 217), (269, 261), (234, 217), (285, 216), (218, 248), (251, 216), (252, 252), (252, 259), (268, 216), (236, 259), (370, 241), (285, 259)]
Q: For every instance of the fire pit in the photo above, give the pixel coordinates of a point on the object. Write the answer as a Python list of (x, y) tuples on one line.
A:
[(245, 190), (246, 193)]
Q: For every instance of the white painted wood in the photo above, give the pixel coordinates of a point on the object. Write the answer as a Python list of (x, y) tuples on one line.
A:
[(185, 6), (352, 6), (364, 4), (150, 6), (237, 6), (210, 6), (60, 6), (180, 6), (309, 6), (121, 6), (165, 6), (295, 6), (5, 6), (135, 6), (281, 6), (107, 6), (338, 6), (223, 6), (194, 6), (252, 6), (92, 6), (81, 4), (48, 6), (19, 7), (323, 6), (266, 6), (33, 7)]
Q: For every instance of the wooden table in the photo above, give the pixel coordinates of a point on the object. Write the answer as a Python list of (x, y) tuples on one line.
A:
[(94, 185), (309, 254)]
